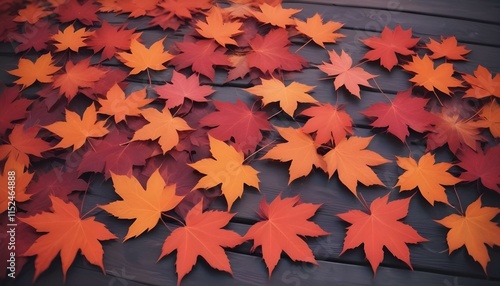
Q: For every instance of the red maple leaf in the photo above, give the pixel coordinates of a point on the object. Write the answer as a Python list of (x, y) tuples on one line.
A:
[(23, 142), (482, 165), (72, 10), (110, 39), (404, 112), (112, 154), (329, 122), (390, 43), (201, 55), (12, 108), (183, 87), (41, 115), (33, 36), (237, 121), (270, 52)]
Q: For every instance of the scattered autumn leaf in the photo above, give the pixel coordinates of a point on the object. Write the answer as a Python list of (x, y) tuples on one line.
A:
[(111, 38), (474, 230), (13, 107), (482, 83), (71, 10), (71, 39), (118, 105), (481, 165), (381, 227), (23, 142), (14, 169), (141, 58), (275, 15), (490, 114), (40, 70), (320, 33), (329, 122), (217, 28), (31, 13), (448, 48)]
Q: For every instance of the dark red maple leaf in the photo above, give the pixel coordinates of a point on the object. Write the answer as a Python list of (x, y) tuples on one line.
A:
[(22, 243), (403, 112), (195, 142), (237, 121), (112, 154), (12, 108), (183, 87), (110, 38), (7, 27), (201, 55), (185, 9), (58, 182), (270, 53), (72, 10), (33, 36), (102, 86), (41, 115), (481, 165)]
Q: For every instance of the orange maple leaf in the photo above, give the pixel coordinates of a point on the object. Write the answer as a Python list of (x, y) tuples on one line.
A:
[(40, 70), (275, 15), (490, 114), (351, 160), (23, 142), (77, 76), (427, 176), (381, 227), (118, 105), (141, 58), (14, 171), (274, 90), (216, 28), (143, 205), (320, 33), (331, 123), (448, 48), (346, 74), (474, 230), (203, 235), (75, 130), (226, 168), (67, 233), (425, 75), (300, 149), (482, 83), (162, 126), (32, 13), (71, 39), (283, 221)]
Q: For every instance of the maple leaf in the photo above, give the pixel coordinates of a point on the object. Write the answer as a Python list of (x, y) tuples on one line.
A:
[(71, 39), (137, 8), (110, 39), (203, 235), (162, 126), (320, 33), (274, 90), (79, 75), (404, 112), (72, 10), (31, 13), (275, 15), (143, 205), (226, 168), (40, 70), (183, 87), (283, 221), (352, 162), (482, 84), (381, 227), (239, 66), (300, 149), (119, 106), (13, 168), (490, 114), (388, 44), (474, 230), (141, 58), (101, 87), (184, 9), (448, 48), (237, 121), (425, 75), (426, 175), (23, 142), (346, 74), (62, 225), (329, 122), (75, 130), (201, 56), (216, 28), (452, 129), (12, 108), (270, 53), (33, 37), (481, 165)]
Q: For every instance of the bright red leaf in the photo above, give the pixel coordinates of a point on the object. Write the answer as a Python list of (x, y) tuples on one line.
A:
[(482, 166)]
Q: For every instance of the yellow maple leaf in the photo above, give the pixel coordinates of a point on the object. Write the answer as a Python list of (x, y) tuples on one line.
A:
[(143, 205), (273, 90), (320, 33), (427, 176), (216, 28), (70, 39), (226, 168), (141, 58), (29, 72)]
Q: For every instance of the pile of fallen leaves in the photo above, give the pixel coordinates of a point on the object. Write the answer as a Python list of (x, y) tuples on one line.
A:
[(73, 117)]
